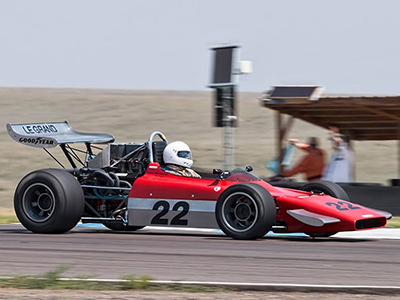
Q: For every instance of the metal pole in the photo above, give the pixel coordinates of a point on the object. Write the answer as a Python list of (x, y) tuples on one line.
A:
[(228, 148), (398, 150), (228, 120), (278, 118)]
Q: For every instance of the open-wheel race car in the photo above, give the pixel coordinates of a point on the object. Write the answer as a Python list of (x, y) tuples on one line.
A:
[(125, 187)]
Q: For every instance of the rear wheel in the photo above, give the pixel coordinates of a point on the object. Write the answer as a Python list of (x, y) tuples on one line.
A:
[(49, 201), (245, 211)]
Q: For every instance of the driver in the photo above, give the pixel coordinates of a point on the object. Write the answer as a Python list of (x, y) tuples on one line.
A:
[(178, 160)]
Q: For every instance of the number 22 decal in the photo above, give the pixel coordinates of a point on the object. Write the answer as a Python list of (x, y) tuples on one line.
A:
[(340, 205), (177, 220)]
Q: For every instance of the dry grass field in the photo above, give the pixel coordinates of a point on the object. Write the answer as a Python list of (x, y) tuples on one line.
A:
[(131, 116)]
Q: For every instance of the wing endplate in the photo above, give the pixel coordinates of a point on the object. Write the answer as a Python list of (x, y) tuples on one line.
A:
[(310, 218)]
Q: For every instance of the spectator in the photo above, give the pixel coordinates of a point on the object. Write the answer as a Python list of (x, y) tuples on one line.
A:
[(339, 167), (312, 164)]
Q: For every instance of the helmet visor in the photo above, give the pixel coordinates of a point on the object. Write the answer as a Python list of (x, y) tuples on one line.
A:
[(185, 154)]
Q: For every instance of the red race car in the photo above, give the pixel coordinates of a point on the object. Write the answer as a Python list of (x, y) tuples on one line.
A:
[(125, 187)]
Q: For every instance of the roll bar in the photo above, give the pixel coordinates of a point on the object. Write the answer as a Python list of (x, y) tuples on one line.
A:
[(150, 143)]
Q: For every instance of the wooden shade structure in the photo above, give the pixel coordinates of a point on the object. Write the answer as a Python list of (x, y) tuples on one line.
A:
[(361, 118)]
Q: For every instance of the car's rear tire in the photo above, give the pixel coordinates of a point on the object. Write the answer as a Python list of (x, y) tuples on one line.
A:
[(326, 187), (245, 211), (121, 227), (49, 201)]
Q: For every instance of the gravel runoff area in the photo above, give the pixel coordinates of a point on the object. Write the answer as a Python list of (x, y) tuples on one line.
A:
[(148, 295)]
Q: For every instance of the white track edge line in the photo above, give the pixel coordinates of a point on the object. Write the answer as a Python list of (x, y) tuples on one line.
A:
[(240, 284)]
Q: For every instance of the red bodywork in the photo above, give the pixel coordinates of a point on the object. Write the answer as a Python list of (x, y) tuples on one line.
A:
[(157, 184)]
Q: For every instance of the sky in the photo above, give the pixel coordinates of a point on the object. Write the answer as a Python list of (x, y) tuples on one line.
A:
[(348, 46)]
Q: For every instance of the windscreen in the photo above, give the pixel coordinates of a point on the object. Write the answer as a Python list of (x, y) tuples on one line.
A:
[(240, 175)]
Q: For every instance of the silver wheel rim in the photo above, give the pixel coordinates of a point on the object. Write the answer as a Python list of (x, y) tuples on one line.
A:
[(239, 212), (38, 202)]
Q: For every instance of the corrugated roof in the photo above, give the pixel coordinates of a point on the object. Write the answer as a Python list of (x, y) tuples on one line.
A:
[(360, 117)]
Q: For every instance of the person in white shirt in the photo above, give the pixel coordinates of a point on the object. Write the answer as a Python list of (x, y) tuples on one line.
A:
[(339, 167)]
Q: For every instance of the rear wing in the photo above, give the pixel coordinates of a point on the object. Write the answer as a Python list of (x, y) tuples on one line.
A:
[(52, 134)]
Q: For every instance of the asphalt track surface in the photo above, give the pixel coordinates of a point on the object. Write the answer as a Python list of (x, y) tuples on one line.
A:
[(201, 256)]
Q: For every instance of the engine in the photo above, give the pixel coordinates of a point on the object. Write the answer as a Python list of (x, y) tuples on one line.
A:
[(107, 180)]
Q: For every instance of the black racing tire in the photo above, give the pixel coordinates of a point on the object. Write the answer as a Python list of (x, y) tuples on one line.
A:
[(245, 211), (326, 187), (49, 201), (121, 227)]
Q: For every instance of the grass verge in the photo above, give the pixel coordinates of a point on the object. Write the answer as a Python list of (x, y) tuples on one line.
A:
[(7, 216), (53, 280), (394, 223)]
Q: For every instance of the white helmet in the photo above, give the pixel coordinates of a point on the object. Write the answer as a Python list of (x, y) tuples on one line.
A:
[(178, 153)]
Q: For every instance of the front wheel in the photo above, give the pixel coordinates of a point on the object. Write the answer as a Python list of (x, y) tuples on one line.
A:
[(49, 201), (245, 211)]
